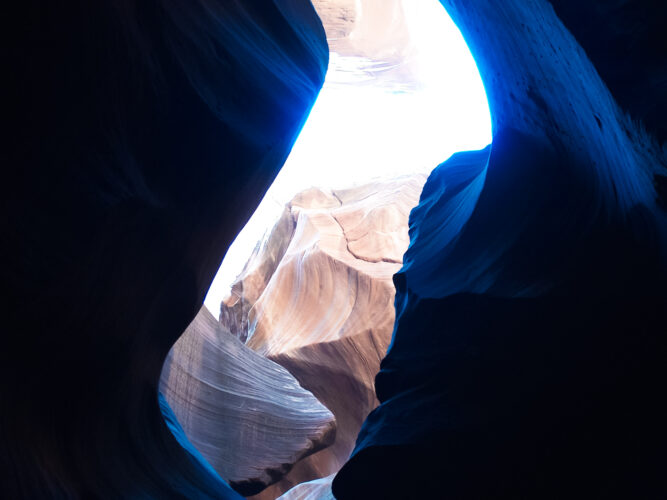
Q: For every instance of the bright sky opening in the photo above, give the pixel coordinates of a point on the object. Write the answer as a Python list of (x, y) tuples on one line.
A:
[(401, 95)]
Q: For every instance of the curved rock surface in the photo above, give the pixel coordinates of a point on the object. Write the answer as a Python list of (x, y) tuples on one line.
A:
[(143, 135), (325, 312), (256, 274), (531, 307), (245, 414), (347, 240)]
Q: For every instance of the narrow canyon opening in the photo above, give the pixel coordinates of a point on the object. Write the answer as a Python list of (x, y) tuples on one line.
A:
[(402, 93), (528, 310), (274, 377)]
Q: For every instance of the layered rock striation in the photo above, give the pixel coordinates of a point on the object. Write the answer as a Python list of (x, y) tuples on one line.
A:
[(334, 279), (317, 298), (248, 417)]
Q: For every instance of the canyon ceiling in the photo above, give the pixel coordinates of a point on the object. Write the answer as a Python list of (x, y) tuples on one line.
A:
[(528, 355)]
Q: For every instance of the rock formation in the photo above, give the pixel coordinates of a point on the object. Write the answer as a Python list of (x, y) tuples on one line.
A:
[(141, 137), (350, 240), (530, 342), (528, 356), (317, 298), (247, 415), (256, 274)]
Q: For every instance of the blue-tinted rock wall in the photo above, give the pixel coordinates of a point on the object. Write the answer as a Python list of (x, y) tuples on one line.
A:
[(529, 344), (141, 136)]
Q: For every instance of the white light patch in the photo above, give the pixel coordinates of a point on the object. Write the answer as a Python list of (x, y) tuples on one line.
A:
[(364, 127)]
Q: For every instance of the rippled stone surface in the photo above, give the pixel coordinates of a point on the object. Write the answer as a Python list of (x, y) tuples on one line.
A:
[(324, 306), (244, 413), (334, 278)]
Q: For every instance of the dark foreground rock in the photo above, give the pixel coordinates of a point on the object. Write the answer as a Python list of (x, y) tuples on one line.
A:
[(141, 136), (529, 345)]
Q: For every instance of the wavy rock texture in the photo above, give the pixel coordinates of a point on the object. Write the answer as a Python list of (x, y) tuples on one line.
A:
[(256, 274), (143, 135), (325, 312), (349, 240), (249, 418), (530, 341)]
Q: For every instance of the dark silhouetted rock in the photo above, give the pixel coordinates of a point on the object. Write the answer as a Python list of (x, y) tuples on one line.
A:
[(141, 136), (528, 355), (529, 347)]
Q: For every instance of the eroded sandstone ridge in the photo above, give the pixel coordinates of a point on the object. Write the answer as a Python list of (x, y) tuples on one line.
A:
[(248, 417), (317, 297)]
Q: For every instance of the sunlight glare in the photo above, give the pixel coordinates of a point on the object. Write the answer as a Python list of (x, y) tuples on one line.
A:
[(365, 125)]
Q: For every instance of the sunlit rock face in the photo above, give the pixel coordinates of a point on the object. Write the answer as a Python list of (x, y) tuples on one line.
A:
[(325, 301), (402, 93), (343, 241), (256, 274), (248, 417), (143, 135), (529, 346), (289, 294)]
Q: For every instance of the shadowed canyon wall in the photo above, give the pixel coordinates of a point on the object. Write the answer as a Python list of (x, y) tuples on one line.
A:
[(529, 345), (142, 135), (528, 353)]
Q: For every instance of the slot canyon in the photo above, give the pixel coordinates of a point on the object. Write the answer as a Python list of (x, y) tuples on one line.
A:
[(487, 323)]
